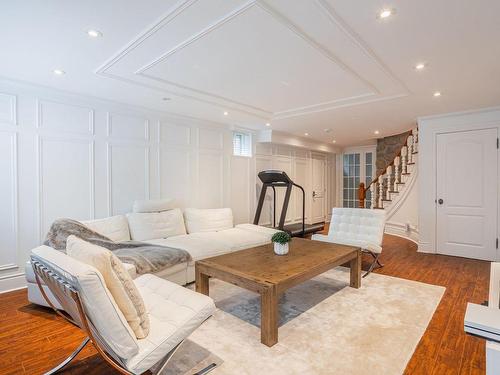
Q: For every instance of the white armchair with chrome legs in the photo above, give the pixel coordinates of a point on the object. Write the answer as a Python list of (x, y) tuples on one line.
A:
[(357, 227), (174, 312)]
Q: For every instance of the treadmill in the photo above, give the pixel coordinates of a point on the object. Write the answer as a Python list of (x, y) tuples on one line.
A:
[(274, 179)]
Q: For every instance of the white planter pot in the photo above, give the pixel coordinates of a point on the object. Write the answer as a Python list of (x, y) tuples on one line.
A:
[(280, 249)]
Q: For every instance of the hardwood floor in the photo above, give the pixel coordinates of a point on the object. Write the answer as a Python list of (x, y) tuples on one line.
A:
[(33, 339)]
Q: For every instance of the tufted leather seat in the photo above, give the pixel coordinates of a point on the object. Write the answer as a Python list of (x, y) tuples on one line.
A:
[(359, 227)]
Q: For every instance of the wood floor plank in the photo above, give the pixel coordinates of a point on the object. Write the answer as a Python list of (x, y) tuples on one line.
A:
[(33, 339)]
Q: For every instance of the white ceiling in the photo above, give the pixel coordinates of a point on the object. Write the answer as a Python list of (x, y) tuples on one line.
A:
[(302, 65)]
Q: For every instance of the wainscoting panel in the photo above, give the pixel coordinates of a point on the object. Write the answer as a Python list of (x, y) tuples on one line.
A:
[(66, 180), (8, 109), (128, 175), (239, 188), (8, 201), (127, 127), (210, 179), (210, 139), (64, 117), (175, 174), (172, 134), (301, 177), (263, 163), (283, 163)]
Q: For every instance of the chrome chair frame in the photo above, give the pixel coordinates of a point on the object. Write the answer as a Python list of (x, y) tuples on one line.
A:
[(74, 312)]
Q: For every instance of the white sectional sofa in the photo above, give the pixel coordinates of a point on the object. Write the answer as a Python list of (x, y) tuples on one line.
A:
[(203, 233)]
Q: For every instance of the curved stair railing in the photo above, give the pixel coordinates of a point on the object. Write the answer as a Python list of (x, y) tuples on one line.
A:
[(386, 186)]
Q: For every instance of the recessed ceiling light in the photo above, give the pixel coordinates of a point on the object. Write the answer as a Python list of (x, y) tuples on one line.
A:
[(376, 132), (420, 66), (59, 72), (226, 113), (334, 141), (328, 130), (385, 13), (437, 94), (166, 99), (268, 124), (306, 134), (94, 33)]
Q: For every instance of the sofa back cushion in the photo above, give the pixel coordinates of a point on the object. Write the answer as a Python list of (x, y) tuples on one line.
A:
[(99, 304), (117, 279), (114, 227), (357, 224), (153, 205), (154, 225), (208, 219)]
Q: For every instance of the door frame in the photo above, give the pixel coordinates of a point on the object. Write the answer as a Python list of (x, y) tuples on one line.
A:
[(436, 181), (429, 127), (323, 157)]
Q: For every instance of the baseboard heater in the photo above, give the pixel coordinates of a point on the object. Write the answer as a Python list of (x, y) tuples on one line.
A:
[(482, 321)]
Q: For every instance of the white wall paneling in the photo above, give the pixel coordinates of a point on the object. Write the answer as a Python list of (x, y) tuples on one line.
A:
[(128, 175), (64, 117), (65, 180), (8, 201), (8, 108), (65, 155)]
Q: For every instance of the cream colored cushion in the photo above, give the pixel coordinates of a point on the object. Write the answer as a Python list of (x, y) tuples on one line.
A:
[(117, 280), (153, 225), (208, 219), (114, 227), (153, 205)]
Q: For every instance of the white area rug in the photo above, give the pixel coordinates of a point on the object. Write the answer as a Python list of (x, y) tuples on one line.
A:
[(326, 327)]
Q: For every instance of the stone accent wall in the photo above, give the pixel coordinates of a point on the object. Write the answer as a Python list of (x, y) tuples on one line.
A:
[(388, 148)]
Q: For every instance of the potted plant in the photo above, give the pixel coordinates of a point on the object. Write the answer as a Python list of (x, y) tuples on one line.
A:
[(281, 240)]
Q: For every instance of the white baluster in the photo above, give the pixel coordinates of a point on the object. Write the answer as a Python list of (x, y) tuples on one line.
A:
[(415, 139), (388, 176), (409, 142), (381, 192), (404, 154), (373, 190), (397, 176)]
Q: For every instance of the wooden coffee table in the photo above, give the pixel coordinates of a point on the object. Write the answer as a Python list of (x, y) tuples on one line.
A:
[(259, 270)]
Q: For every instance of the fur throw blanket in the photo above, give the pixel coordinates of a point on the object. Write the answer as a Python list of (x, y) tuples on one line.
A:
[(147, 258)]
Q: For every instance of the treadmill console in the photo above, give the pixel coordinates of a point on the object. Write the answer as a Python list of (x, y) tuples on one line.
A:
[(274, 177)]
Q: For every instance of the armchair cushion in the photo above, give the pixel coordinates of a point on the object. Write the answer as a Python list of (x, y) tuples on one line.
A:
[(117, 280), (98, 302), (174, 312)]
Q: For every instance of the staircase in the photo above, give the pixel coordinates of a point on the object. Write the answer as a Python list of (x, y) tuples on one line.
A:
[(389, 186)]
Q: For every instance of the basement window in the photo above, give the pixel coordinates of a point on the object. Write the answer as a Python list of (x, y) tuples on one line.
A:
[(242, 144)]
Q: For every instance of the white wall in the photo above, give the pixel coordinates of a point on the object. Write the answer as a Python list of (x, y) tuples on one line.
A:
[(65, 155), (429, 127)]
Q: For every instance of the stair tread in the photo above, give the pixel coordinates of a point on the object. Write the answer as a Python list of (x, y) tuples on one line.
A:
[(400, 183), (378, 208), (412, 163), (415, 152), (386, 200), (405, 174), (393, 191)]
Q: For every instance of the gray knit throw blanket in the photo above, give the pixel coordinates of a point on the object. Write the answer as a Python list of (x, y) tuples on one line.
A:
[(147, 258)]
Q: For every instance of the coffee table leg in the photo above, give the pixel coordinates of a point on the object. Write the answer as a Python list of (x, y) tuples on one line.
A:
[(356, 271), (201, 281), (269, 316)]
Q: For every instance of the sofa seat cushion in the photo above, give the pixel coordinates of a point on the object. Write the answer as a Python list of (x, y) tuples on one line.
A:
[(174, 313), (365, 245), (199, 247), (235, 238), (208, 219), (114, 227), (153, 225), (258, 229)]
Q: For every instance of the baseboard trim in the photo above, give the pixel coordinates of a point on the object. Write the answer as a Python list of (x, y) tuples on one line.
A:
[(399, 230), (13, 282)]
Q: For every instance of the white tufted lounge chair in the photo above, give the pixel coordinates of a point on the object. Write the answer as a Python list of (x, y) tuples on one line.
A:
[(357, 227), (174, 312)]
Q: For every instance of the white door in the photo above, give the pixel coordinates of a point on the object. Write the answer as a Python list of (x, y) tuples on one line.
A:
[(318, 190), (467, 193)]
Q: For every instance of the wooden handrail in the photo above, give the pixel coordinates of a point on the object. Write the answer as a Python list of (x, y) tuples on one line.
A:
[(361, 196)]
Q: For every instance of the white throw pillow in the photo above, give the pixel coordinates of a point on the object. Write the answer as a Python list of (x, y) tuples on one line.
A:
[(208, 219), (114, 227), (154, 225), (117, 280), (153, 205)]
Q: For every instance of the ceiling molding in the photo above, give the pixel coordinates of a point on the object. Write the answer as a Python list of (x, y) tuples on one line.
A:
[(219, 101)]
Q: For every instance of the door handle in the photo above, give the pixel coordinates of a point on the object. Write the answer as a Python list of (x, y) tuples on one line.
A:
[(314, 194), (440, 201)]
